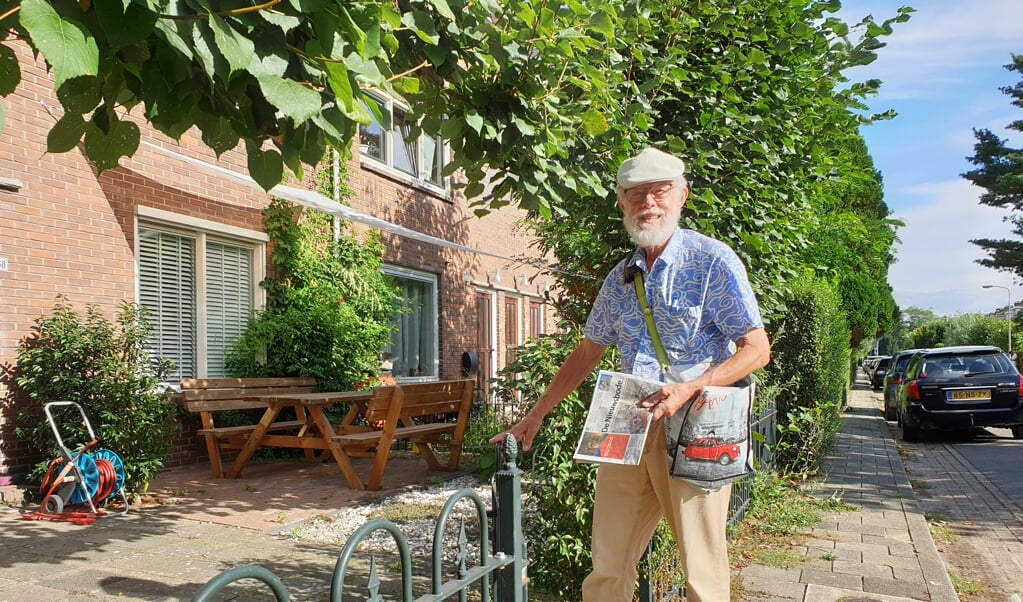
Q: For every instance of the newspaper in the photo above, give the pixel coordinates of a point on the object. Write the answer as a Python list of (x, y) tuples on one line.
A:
[(616, 429), (709, 438)]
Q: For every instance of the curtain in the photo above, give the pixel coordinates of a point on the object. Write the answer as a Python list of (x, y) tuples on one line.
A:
[(413, 348)]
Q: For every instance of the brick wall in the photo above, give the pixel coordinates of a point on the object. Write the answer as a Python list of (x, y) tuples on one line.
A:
[(68, 231)]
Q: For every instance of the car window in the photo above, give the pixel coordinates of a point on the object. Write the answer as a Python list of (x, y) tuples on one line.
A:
[(966, 364)]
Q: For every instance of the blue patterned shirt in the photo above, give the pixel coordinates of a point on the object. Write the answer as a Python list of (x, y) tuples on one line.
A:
[(701, 300)]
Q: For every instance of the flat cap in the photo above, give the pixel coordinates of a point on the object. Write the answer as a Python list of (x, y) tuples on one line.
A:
[(650, 165)]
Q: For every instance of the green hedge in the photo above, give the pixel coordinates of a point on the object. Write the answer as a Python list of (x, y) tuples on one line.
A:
[(810, 369)]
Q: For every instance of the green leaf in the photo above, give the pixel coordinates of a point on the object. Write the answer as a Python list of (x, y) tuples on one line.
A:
[(285, 22), (422, 24), (203, 42), (594, 123), (291, 98), (66, 133), (344, 93), (66, 45), (217, 133), (603, 23), (234, 46), (125, 24), (265, 166), (10, 72), (443, 8), (475, 121), (105, 148), (80, 94), (334, 124)]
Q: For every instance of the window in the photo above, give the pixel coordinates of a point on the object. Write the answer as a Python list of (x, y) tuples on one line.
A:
[(413, 350), (199, 287), (394, 142)]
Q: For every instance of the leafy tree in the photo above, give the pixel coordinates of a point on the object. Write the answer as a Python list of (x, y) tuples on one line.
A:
[(851, 243), (976, 329), (748, 95), (533, 98), (914, 317), (929, 334), (810, 371), (505, 82), (1000, 174)]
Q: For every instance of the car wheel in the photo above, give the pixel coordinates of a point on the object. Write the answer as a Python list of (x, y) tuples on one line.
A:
[(890, 412), (1017, 431), (725, 460), (910, 431)]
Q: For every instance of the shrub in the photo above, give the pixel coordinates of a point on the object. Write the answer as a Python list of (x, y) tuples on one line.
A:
[(810, 369), (559, 513), (329, 307), (104, 367)]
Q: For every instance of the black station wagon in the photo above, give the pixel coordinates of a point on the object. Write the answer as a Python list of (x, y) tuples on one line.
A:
[(958, 388)]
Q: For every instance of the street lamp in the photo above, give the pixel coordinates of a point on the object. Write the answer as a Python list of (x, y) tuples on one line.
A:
[(1009, 294)]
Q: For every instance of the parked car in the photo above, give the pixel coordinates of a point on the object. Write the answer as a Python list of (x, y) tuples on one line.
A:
[(893, 377), (713, 449), (959, 388), (878, 372)]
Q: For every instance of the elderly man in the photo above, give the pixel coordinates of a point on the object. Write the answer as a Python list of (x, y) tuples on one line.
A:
[(706, 314)]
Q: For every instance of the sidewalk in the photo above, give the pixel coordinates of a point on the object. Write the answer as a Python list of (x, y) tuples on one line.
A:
[(882, 552)]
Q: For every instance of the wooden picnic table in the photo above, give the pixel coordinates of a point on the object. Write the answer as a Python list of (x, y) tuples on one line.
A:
[(316, 434), (427, 414)]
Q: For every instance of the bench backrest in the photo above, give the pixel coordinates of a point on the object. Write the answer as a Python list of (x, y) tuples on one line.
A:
[(214, 394), (422, 399)]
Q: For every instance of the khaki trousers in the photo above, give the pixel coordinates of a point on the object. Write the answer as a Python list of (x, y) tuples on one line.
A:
[(630, 501)]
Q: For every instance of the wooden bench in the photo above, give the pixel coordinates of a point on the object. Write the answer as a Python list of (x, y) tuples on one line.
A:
[(210, 395), (427, 414)]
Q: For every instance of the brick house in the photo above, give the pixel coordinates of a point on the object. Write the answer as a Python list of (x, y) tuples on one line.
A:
[(64, 230)]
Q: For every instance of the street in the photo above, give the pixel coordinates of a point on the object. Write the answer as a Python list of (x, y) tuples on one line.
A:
[(970, 491)]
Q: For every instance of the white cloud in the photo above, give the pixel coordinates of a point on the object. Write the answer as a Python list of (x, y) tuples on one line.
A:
[(936, 267), (943, 41)]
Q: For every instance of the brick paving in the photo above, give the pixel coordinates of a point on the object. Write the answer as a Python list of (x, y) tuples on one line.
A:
[(880, 552)]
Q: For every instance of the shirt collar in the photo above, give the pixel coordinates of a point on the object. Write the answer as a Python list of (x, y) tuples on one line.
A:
[(638, 259)]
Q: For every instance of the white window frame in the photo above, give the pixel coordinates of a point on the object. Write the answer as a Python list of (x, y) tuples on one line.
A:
[(386, 162), (432, 280), (204, 231)]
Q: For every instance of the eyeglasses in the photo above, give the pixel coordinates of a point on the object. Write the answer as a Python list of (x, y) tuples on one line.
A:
[(659, 192)]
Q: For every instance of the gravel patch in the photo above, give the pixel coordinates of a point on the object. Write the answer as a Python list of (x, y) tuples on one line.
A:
[(415, 511)]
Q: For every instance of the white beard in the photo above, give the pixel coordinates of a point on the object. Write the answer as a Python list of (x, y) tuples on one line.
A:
[(652, 234)]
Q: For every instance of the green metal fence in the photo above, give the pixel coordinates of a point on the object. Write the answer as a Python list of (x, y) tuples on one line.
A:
[(500, 574)]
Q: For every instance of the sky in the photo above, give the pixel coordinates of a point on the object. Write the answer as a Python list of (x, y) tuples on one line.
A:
[(942, 72)]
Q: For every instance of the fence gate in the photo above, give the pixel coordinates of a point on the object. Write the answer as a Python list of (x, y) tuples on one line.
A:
[(505, 567)]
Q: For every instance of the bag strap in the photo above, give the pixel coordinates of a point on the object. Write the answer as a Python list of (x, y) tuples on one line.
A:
[(648, 317)]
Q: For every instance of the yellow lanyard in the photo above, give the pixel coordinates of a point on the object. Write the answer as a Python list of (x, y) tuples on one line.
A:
[(648, 317)]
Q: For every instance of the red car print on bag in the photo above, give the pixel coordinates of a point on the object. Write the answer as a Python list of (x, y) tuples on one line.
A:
[(712, 449)]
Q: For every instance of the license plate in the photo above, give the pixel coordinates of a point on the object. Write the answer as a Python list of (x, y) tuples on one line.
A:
[(969, 395)]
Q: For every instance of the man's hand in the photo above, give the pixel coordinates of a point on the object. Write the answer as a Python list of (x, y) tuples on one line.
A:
[(670, 398), (525, 430)]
